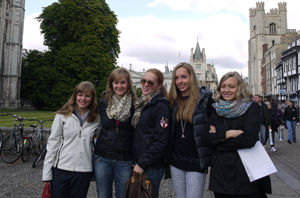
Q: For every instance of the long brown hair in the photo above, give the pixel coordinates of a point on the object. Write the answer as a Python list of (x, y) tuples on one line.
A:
[(83, 87), (185, 107), (243, 91), (160, 80), (118, 74)]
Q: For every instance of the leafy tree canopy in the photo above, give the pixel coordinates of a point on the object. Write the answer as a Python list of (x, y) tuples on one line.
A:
[(83, 46)]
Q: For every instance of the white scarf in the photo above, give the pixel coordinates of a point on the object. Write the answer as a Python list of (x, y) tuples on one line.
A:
[(121, 109)]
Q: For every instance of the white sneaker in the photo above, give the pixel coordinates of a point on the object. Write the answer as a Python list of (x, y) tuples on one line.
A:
[(280, 139), (273, 149)]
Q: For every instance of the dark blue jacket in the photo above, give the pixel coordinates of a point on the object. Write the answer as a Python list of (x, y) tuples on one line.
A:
[(151, 136), (202, 112)]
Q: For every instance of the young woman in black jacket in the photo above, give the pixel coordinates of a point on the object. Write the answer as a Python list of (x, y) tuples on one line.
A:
[(234, 124), (113, 151), (152, 131), (192, 106)]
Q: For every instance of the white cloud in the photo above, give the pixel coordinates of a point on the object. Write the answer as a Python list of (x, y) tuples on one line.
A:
[(32, 38), (154, 43)]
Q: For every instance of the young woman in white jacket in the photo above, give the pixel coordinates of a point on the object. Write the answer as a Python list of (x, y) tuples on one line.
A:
[(68, 163)]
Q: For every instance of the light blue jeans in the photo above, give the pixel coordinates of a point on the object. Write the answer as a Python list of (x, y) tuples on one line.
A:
[(187, 184), (291, 129), (155, 175), (108, 170)]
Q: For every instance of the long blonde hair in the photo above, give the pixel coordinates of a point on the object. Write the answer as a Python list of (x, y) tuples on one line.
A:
[(118, 74), (185, 107), (160, 80), (243, 91), (83, 87)]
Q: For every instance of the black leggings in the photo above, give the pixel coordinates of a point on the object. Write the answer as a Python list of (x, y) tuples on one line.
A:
[(256, 195)]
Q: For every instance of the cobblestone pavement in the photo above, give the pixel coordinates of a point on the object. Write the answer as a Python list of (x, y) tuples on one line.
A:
[(19, 180)]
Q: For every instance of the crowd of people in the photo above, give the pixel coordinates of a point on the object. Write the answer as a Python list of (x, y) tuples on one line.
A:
[(184, 131)]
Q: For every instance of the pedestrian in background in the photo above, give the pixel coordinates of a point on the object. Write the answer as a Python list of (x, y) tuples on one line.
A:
[(275, 123), (152, 131), (290, 114), (265, 120), (68, 162), (113, 151), (192, 106), (297, 109), (233, 125)]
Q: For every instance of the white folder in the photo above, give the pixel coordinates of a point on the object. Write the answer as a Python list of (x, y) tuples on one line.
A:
[(257, 162)]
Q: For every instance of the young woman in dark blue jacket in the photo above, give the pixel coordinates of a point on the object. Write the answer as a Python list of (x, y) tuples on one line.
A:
[(113, 151), (192, 107), (151, 121)]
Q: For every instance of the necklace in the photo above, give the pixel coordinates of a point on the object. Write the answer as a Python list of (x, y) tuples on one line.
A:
[(182, 126)]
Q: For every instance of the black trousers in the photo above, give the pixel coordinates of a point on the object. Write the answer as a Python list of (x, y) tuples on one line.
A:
[(256, 195), (68, 184)]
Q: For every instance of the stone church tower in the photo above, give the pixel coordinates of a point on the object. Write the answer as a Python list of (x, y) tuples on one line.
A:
[(205, 73), (11, 39), (265, 28)]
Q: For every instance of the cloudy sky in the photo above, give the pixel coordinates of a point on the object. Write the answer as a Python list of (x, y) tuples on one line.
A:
[(155, 32)]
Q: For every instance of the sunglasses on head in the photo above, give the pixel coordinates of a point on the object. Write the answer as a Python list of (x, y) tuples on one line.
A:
[(150, 83)]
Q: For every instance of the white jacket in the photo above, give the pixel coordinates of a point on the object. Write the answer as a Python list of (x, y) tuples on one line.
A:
[(69, 145)]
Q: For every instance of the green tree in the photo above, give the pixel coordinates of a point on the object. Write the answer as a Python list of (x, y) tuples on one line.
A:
[(83, 46)]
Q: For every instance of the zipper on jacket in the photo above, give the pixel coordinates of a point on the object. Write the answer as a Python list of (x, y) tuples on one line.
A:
[(80, 134), (116, 142)]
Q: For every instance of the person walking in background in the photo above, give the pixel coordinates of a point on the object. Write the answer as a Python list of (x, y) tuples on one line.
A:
[(192, 106), (113, 151), (68, 162), (265, 120), (275, 123), (282, 109), (290, 114), (233, 125), (152, 131)]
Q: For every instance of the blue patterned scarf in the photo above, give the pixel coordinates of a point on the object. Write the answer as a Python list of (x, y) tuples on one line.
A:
[(231, 109)]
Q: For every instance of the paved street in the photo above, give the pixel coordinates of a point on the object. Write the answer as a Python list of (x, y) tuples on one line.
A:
[(20, 180)]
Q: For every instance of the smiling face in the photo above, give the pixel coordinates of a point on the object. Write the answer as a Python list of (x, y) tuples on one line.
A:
[(183, 81), (83, 100), (120, 87), (149, 88), (229, 89)]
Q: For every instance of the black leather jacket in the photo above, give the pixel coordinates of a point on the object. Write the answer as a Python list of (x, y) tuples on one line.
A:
[(114, 142), (202, 112)]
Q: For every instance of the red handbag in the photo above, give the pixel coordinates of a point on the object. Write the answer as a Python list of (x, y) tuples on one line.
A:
[(46, 191)]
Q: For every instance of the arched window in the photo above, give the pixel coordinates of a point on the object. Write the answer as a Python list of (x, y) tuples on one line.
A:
[(272, 28)]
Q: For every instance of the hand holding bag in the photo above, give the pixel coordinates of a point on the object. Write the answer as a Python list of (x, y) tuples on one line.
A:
[(46, 191), (139, 186)]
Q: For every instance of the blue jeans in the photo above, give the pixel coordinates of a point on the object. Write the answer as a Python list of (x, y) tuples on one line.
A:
[(291, 129), (155, 175), (109, 170), (187, 184), (262, 134)]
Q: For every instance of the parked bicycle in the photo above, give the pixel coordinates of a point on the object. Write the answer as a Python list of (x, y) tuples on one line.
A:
[(33, 141), (40, 156), (12, 147), (1, 134)]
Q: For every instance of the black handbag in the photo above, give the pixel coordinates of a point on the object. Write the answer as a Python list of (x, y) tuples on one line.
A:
[(139, 186)]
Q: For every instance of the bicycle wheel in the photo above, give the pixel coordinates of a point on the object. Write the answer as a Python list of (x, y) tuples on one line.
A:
[(27, 150), (12, 148), (40, 156), (1, 138)]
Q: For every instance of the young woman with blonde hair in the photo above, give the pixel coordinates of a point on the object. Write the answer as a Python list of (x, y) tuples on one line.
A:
[(113, 151), (192, 106), (68, 163), (234, 124), (151, 122)]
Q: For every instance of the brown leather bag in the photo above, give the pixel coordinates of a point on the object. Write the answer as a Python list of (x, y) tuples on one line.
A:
[(139, 186)]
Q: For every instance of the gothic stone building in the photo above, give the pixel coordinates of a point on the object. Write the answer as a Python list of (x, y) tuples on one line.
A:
[(11, 39), (265, 28)]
